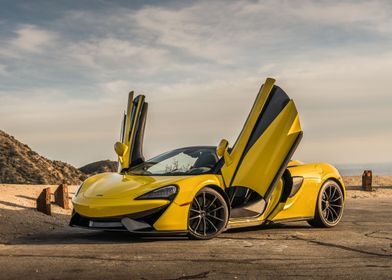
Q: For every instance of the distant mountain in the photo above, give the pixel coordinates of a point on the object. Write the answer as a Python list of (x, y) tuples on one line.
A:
[(20, 165), (99, 167), (382, 169)]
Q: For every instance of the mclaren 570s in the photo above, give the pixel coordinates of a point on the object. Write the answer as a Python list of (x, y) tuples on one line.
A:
[(204, 190)]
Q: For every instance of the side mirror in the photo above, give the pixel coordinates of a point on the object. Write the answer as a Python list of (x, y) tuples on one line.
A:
[(222, 147), (222, 151), (120, 149)]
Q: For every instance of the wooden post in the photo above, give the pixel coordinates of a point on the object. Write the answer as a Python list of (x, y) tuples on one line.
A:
[(61, 196), (367, 180), (43, 202)]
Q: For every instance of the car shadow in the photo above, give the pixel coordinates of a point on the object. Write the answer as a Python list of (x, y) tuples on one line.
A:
[(79, 236), (293, 225), (63, 234), (71, 235)]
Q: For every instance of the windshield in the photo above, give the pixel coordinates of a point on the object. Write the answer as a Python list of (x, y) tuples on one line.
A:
[(184, 161)]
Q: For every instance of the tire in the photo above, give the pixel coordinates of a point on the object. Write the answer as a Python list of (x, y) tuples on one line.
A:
[(208, 215), (329, 206)]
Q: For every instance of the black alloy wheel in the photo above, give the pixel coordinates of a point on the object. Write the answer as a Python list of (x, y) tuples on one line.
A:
[(208, 214), (329, 207)]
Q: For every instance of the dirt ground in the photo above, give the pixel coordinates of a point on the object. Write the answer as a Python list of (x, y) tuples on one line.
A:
[(19, 217), (40, 246)]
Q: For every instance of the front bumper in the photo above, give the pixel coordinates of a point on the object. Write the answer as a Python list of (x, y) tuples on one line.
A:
[(134, 226), (167, 219), (131, 222)]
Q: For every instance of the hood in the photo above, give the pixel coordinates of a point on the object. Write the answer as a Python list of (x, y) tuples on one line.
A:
[(114, 185)]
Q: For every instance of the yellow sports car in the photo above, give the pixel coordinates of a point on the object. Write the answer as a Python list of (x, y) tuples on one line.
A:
[(202, 191)]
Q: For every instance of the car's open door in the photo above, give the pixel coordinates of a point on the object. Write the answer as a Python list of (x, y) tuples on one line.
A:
[(266, 143), (132, 132)]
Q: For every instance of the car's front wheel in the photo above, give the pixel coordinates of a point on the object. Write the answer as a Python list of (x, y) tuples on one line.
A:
[(329, 207), (208, 214)]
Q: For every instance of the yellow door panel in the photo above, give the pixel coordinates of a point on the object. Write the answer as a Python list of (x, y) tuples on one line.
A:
[(133, 130), (228, 170), (265, 158), (266, 143), (125, 132)]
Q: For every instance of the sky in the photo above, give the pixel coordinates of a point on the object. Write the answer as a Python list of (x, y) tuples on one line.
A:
[(66, 68)]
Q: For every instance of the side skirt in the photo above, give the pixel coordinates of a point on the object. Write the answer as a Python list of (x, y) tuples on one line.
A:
[(288, 220), (242, 222)]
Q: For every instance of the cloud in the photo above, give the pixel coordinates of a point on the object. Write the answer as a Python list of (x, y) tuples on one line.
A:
[(3, 69), (334, 108), (30, 38), (200, 65), (183, 30), (113, 53), (230, 32), (64, 128), (373, 15)]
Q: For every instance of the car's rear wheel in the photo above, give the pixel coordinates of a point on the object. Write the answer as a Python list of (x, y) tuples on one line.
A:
[(208, 214), (329, 207)]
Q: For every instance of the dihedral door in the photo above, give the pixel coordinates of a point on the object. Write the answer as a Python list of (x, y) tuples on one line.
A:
[(266, 143), (132, 132)]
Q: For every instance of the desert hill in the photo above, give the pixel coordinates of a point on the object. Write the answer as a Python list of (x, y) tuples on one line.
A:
[(20, 165), (99, 167)]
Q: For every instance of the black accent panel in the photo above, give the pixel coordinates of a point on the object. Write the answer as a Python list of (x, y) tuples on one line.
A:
[(137, 151), (297, 184), (153, 217), (124, 121), (78, 220), (132, 119), (287, 186), (134, 116), (275, 103)]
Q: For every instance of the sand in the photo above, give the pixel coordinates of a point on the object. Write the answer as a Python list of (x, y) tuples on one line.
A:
[(382, 187), (18, 216)]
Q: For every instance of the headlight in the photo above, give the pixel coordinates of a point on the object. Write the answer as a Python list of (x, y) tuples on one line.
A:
[(78, 190), (167, 192)]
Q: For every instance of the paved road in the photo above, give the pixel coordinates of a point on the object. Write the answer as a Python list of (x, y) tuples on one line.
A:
[(359, 248)]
